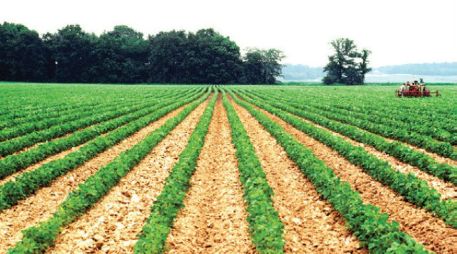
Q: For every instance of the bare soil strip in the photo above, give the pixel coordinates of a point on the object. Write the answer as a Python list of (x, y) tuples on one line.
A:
[(446, 189), (213, 219), (45, 201), (112, 225), (432, 232), (311, 224)]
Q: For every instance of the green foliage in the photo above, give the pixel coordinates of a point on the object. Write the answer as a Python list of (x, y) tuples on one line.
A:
[(72, 52), (13, 145), (266, 228), (28, 182), (170, 201), (77, 114), (202, 57), (395, 149), (371, 227), (23, 55), (122, 55), (262, 66), (414, 134), (348, 65), (15, 162), (38, 238), (412, 188)]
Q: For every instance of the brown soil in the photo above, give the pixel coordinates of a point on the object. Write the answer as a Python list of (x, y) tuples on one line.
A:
[(311, 224), (446, 189), (112, 224), (214, 218), (432, 232), (45, 201)]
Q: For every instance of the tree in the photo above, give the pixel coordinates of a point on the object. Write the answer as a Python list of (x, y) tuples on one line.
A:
[(23, 56), (120, 56), (212, 58), (202, 57), (347, 65), (166, 60), (363, 65), (262, 66), (72, 51)]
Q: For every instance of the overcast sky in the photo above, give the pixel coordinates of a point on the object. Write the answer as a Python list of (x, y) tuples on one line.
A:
[(396, 31)]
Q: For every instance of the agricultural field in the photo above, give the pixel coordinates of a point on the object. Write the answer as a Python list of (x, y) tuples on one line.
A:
[(226, 169)]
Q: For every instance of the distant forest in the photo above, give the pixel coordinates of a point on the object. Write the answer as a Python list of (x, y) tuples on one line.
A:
[(432, 69), (298, 72), (123, 55)]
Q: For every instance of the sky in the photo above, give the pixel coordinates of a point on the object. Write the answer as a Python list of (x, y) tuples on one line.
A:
[(396, 31)]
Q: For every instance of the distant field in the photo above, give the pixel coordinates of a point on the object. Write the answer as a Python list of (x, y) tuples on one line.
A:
[(226, 169)]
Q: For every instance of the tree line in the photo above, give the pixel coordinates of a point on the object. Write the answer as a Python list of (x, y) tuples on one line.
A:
[(123, 55)]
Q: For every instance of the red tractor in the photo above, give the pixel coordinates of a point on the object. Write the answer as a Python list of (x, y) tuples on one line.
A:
[(415, 90)]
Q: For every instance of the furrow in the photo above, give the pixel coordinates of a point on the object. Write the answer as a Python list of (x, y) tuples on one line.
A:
[(213, 219), (446, 189), (41, 205), (432, 232), (311, 224), (112, 224), (16, 162)]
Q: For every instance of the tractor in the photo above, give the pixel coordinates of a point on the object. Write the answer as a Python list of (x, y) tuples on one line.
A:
[(415, 89)]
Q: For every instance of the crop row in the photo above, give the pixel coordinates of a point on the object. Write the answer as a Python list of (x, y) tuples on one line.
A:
[(81, 113), (19, 126), (371, 227), (425, 108), (28, 182), (42, 98), (419, 128), (38, 238), (10, 146), (23, 117), (24, 111), (428, 122), (429, 144), (13, 163), (418, 114), (409, 186), (21, 112), (9, 120), (265, 226), (395, 149), (171, 199)]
